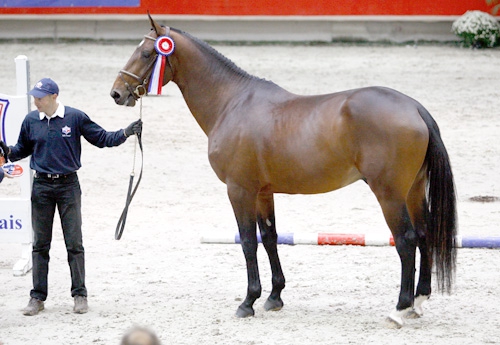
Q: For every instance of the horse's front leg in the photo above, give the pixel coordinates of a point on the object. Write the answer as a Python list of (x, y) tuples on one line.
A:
[(267, 226), (243, 203)]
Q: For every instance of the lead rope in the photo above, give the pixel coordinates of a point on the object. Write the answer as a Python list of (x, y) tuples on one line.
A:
[(131, 192)]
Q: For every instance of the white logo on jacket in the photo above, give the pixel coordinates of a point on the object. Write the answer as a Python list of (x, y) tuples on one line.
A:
[(66, 131)]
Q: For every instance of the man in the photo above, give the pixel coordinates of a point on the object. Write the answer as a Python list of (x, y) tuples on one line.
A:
[(52, 136)]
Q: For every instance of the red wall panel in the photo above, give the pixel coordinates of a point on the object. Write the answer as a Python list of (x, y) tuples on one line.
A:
[(263, 7)]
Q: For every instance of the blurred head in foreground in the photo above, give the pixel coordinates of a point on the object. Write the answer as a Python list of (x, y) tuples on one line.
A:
[(140, 336)]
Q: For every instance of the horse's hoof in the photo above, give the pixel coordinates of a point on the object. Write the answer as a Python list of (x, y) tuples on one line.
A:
[(392, 323), (413, 314), (395, 318), (244, 312), (273, 304)]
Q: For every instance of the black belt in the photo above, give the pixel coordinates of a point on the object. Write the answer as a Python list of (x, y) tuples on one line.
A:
[(52, 176)]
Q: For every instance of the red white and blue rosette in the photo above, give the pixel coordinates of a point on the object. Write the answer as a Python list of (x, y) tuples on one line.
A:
[(164, 46), (10, 170)]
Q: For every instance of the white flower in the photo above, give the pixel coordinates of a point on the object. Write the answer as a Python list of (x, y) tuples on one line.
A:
[(477, 28)]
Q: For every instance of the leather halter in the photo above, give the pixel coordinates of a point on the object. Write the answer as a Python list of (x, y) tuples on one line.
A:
[(142, 88)]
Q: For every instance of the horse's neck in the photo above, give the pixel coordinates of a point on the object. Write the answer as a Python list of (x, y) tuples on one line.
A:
[(208, 87), (208, 100)]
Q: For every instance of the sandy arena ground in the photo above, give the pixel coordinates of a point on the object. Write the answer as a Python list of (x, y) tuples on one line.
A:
[(159, 275)]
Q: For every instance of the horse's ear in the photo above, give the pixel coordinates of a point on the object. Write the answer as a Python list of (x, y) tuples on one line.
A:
[(154, 25)]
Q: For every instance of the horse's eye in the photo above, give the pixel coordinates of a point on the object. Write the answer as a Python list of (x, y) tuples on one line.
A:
[(146, 54)]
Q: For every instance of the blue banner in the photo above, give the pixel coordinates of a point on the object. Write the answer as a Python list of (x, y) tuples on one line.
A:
[(69, 3), (4, 104)]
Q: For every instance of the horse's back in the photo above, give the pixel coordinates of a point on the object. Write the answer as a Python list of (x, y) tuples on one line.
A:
[(369, 133)]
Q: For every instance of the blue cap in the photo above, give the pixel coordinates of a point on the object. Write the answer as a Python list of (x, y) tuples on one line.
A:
[(44, 87)]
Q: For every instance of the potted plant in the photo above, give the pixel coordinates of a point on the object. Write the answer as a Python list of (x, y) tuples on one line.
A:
[(477, 29)]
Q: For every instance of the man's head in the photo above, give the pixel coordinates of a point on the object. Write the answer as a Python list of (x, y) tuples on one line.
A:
[(44, 87), (45, 93), (140, 336)]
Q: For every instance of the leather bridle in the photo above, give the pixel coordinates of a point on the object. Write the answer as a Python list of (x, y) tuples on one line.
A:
[(142, 88)]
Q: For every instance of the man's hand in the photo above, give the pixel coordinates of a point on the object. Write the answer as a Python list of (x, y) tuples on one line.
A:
[(4, 152), (134, 128)]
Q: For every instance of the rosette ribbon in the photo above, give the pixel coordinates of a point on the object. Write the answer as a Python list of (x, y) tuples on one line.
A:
[(164, 46)]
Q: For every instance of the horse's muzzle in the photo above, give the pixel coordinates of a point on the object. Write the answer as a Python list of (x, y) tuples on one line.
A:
[(125, 98)]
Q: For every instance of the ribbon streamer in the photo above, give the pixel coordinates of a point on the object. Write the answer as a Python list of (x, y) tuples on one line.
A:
[(155, 83)]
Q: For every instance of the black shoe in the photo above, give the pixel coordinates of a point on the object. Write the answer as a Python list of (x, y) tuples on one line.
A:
[(34, 306), (81, 305)]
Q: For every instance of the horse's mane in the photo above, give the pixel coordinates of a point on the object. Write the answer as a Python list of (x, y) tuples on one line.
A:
[(205, 47)]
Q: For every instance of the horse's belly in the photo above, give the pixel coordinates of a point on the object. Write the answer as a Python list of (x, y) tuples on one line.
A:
[(313, 180)]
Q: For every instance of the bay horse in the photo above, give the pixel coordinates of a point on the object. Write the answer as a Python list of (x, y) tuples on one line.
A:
[(263, 140)]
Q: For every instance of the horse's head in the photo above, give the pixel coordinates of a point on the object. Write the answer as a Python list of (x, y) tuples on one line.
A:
[(133, 80)]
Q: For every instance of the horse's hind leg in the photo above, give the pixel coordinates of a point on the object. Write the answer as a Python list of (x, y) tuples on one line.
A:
[(405, 238), (267, 226), (244, 204), (424, 281), (418, 209)]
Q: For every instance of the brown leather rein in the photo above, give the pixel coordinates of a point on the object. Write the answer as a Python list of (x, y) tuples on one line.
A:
[(140, 90)]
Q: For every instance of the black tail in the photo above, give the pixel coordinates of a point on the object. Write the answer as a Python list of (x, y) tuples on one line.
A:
[(441, 197)]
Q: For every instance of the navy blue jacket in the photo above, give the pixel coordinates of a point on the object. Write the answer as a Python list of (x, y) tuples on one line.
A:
[(54, 144)]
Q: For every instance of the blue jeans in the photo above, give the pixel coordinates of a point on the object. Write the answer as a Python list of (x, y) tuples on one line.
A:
[(65, 193)]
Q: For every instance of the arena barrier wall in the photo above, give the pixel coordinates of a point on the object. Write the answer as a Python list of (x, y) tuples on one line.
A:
[(15, 208), (238, 20)]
